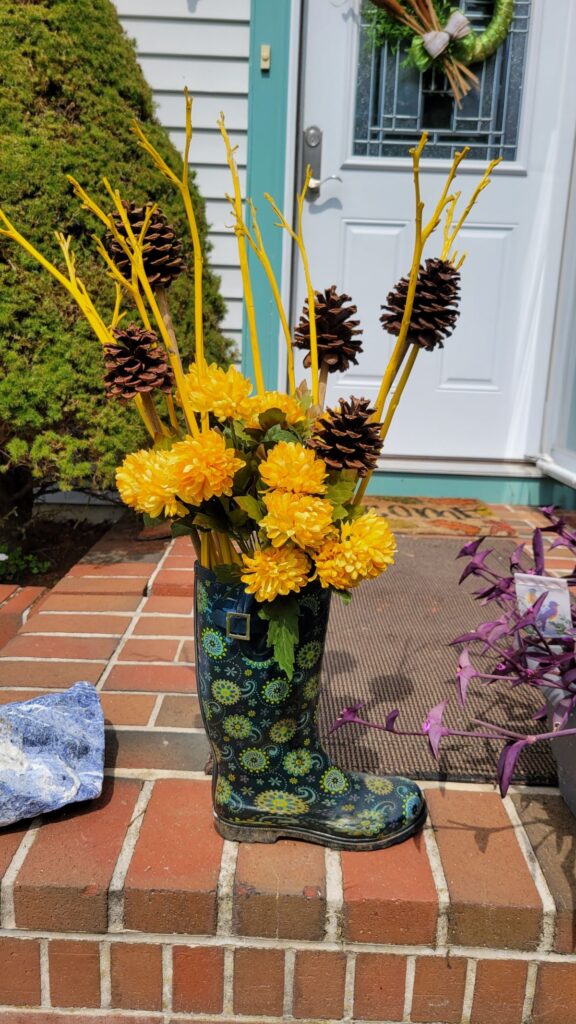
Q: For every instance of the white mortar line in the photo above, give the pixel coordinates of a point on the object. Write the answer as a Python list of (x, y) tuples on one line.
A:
[(334, 896), (7, 911), (440, 883), (409, 987), (228, 993), (548, 906), (126, 614), (350, 977), (43, 660), (72, 634), (469, 991), (116, 889), (113, 660), (155, 712), (179, 648), (44, 975), (225, 887), (252, 942), (167, 978), (105, 976), (152, 774), (191, 729), (530, 993), (289, 966)]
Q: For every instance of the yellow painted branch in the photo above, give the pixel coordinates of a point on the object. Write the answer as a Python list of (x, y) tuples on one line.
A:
[(394, 402), (259, 250), (243, 258), (314, 369)]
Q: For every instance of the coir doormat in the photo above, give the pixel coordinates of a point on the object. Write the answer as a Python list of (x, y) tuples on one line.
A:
[(454, 517)]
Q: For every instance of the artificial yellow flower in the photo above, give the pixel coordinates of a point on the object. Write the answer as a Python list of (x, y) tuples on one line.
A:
[(253, 406), (221, 392), (203, 467), (145, 482), (274, 571), (292, 467), (365, 549), (303, 519)]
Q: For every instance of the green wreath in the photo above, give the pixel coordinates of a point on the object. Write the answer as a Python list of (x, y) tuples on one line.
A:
[(384, 24)]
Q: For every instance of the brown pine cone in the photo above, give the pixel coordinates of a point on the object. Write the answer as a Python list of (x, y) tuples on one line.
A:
[(136, 364), (435, 310), (345, 438), (337, 334), (162, 251)]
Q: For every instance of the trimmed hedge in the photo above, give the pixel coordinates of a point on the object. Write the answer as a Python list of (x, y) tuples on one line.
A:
[(69, 88)]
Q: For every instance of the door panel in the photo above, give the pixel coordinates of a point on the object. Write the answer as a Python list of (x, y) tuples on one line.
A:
[(482, 396)]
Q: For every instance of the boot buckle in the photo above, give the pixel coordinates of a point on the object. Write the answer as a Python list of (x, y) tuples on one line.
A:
[(231, 631)]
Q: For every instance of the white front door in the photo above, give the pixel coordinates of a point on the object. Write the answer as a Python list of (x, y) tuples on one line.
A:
[(482, 397)]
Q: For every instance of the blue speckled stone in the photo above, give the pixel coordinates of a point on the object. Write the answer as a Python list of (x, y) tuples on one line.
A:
[(51, 752)]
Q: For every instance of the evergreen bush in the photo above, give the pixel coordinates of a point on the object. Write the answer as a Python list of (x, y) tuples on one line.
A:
[(69, 88)]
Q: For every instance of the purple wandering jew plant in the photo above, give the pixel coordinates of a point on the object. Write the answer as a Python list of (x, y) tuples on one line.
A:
[(523, 654)]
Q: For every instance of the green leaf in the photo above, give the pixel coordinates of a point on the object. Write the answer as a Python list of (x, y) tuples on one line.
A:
[(271, 417), (339, 512), (283, 631), (341, 491), (229, 573), (206, 522), (181, 528), (344, 595), (279, 433), (251, 506)]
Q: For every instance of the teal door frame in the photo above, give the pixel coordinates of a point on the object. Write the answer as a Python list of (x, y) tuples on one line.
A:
[(270, 23)]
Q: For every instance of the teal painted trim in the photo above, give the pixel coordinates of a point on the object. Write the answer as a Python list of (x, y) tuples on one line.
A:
[(267, 112), (497, 490)]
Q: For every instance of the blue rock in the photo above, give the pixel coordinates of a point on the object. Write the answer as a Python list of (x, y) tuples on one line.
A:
[(51, 752)]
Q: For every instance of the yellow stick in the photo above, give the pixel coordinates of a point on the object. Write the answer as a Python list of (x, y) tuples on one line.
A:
[(183, 186), (239, 229), (298, 238), (257, 245), (170, 343)]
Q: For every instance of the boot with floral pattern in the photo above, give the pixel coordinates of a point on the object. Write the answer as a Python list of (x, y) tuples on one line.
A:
[(271, 777)]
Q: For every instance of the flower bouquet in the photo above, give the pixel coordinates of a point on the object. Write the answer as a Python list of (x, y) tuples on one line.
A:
[(269, 486)]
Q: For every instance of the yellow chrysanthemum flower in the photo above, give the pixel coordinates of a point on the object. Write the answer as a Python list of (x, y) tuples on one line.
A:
[(305, 520), (275, 571), (221, 392), (365, 549), (203, 467), (145, 482), (253, 406), (292, 467)]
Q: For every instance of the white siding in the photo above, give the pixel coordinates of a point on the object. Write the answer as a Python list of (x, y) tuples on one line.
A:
[(203, 44)]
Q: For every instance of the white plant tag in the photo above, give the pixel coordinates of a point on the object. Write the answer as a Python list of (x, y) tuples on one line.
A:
[(555, 615)]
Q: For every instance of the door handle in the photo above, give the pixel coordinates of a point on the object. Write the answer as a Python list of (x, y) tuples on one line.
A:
[(312, 157)]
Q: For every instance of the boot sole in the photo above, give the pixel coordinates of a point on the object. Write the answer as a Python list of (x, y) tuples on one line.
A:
[(251, 834)]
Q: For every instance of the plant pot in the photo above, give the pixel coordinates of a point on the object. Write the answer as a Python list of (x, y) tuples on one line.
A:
[(272, 778), (564, 751)]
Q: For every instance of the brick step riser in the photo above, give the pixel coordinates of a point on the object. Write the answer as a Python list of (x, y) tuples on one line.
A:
[(216, 982)]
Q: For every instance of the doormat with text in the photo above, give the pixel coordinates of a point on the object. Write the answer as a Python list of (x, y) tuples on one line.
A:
[(458, 517)]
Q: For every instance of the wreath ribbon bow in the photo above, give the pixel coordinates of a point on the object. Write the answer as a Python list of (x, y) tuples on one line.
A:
[(457, 27)]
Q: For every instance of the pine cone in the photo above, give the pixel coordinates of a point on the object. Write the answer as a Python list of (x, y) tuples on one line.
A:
[(136, 365), (345, 438), (435, 310), (162, 251), (338, 342)]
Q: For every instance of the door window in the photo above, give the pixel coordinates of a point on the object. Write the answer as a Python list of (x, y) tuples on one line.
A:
[(395, 103)]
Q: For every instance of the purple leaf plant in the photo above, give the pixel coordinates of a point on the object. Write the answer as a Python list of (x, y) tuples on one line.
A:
[(522, 654)]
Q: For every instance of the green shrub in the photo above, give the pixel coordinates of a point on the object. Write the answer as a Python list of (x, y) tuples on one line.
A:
[(69, 88)]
